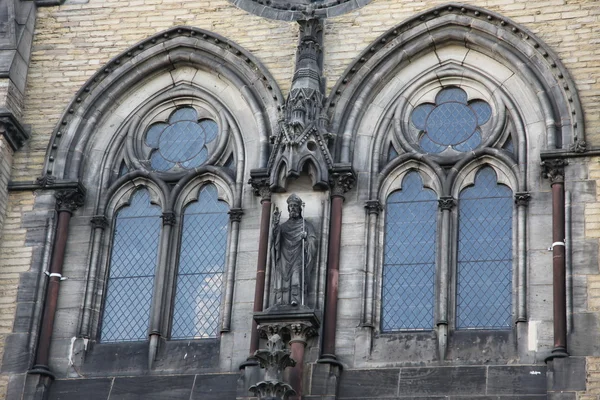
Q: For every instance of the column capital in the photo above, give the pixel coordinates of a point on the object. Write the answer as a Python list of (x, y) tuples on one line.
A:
[(373, 207), (261, 183), (169, 218), (446, 203), (99, 221), (554, 170), (522, 198), (70, 200), (341, 180), (235, 214)]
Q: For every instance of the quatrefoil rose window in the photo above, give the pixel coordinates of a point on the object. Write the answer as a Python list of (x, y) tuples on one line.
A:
[(180, 142), (452, 122)]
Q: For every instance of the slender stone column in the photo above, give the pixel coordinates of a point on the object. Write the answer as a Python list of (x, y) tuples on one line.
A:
[(522, 201), (99, 224), (340, 183), (235, 216), (554, 171), (373, 208), (262, 189), (446, 205), (67, 201)]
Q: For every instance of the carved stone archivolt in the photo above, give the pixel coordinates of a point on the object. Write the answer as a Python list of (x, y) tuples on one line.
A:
[(294, 10)]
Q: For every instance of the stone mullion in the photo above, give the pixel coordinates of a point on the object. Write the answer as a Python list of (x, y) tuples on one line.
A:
[(235, 216), (522, 201), (373, 208), (99, 224), (446, 205)]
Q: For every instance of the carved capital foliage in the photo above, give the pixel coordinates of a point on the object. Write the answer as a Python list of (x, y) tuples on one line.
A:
[(446, 203), (13, 131), (301, 331), (99, 221), (554, 170), (69, 199), (169, 218), (271, 390), (260, 184), (522, 198), (235, 214), (341, 180), (373, 207)]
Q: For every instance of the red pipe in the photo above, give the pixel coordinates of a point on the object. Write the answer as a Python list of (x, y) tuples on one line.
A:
[(559, 270), (56, 266), (297, 348), (333, 272), (261, 265)]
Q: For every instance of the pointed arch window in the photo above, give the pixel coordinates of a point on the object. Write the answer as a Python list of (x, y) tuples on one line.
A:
[(201, 267), (409, 260), (132, 269), (484, 263)]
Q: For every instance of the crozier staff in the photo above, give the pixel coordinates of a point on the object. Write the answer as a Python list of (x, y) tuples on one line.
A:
[(293, 251)]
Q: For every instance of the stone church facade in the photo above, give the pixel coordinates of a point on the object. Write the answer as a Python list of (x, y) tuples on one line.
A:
[(317, 199)]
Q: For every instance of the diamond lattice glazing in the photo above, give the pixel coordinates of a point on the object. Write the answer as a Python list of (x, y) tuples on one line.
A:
[(409, 257), (201, 266), (131, 275), (484, 293)]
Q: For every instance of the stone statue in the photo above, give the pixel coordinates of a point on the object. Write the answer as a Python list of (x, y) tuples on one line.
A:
[(293, 255)]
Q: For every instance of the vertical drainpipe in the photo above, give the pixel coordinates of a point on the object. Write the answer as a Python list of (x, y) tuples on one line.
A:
[(341, 181), (554, 170), (67, 201), (261, 188)]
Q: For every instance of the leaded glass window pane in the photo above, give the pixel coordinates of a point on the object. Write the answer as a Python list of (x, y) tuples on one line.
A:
[(484, 292), (201, 267), (182, 141), (131, 271), (409, 257)]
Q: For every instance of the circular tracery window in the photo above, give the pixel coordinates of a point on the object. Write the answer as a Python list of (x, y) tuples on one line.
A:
[(181, 141), (452, 122)]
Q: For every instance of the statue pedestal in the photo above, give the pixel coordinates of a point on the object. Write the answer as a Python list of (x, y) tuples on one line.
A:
[(295, 324)]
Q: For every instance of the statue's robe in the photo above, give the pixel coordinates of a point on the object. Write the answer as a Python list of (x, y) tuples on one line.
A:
[(287, 258)]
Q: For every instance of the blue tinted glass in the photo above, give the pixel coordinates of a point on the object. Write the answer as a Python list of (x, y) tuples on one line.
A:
[(132, 268), (409, 257), (182, 141), (451, 94), (508, 146), (482, 110), (484, 293), (451, 123), (201, 267), (420, 114)]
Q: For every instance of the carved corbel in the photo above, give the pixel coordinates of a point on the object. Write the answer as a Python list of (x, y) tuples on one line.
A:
[(169, 218), (235, 214), (260, 184), (554, 170), (99, 222), (69, 200), (373, 207), (522, 198), (341, 180), (446, 203)]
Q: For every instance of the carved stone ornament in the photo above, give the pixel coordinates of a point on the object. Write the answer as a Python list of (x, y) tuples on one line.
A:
[(272, 390), (261, 184), (446, 203), (235, 214), (301, 143), (554, 170), (12, 130), (293, 254), (46, 180), (579, 146), (373, 207), (301, 332), (341, 180), (99, 221), (522, 198), (293, 10), (70, 199), (169, 218)]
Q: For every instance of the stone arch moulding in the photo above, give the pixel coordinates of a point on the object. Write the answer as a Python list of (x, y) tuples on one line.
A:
[(295, 10), (176, 47), (475, 29)]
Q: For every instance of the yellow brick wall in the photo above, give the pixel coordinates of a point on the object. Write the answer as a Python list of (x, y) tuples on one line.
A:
[(73, 41)]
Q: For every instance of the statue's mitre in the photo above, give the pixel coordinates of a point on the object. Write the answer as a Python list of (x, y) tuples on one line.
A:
[(294, 199)]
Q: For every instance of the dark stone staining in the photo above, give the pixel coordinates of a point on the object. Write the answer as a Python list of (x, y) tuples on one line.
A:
[(369, 383), (567, 374), (76, 389), (442, 381), (516, 380), (153, 387), (215, 387)]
